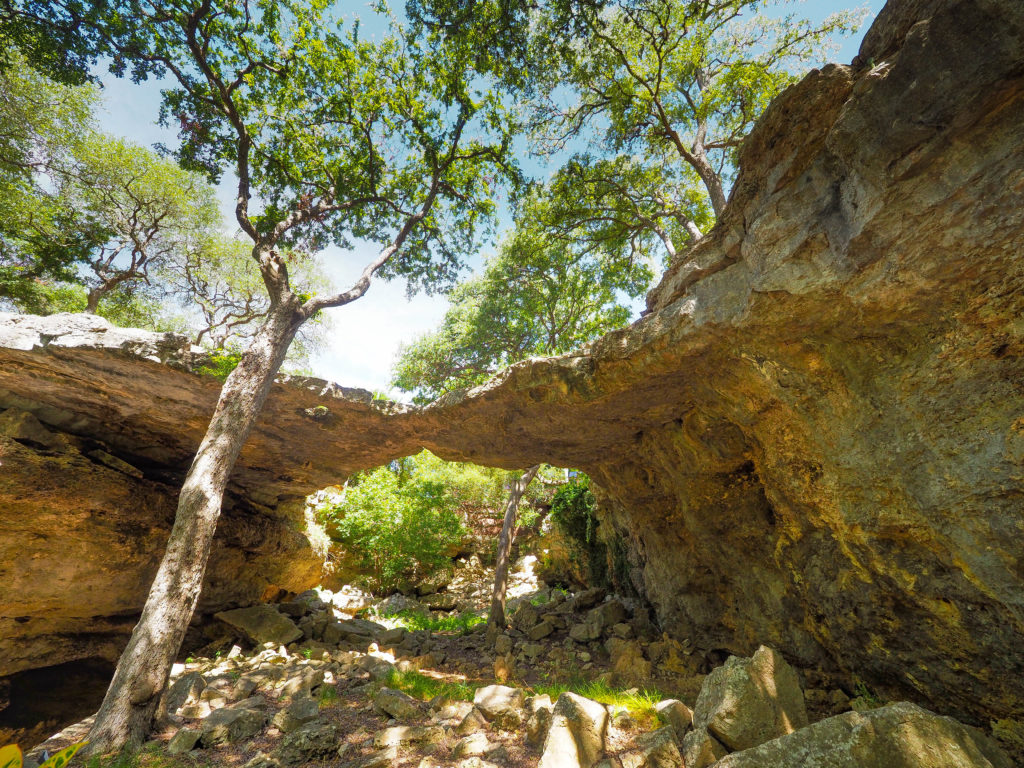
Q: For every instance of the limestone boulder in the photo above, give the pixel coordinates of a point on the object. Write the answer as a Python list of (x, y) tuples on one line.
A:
[(262, 624), (747, 702), (576, 736), (674, 713), (656, 749), (313, 741), (896, 736), (299, 712), (701, 749), (231, 725), (501, 705), (397, 704)]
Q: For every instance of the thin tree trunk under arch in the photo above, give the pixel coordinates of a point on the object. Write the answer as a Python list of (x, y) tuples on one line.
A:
[(496, 617), (126, 714)]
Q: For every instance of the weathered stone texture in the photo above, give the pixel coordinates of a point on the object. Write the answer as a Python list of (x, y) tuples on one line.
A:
[(815, 438)]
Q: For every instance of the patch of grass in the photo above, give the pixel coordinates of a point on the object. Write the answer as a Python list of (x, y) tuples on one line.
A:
[(328, 696), (150, 756), (638, 702), (424, 687), (462, 623)]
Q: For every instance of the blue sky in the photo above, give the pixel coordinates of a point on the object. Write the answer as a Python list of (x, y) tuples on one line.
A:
[(365, 335)]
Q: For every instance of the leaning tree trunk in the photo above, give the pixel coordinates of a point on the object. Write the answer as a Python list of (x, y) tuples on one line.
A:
[(496, 618), (127, 712)]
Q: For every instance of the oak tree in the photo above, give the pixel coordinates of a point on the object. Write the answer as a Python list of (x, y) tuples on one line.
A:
[(331, 137)]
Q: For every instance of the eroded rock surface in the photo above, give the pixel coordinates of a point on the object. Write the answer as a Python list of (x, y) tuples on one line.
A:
[(814, 439)]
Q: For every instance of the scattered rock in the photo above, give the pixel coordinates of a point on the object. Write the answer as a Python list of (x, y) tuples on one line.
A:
[(382, 759), (262, 760), (747, 702)]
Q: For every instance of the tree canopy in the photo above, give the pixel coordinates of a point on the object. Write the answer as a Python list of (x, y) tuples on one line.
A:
[(536, 296)]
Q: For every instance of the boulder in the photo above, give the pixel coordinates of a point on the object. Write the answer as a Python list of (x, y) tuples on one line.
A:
[(311, 742), (629, 667), (674, 713), (896, 736), (501, 705), (538, 719), (231, 725), (472, 745), (183, 741), (262, 624), (397, 704), (576, 737), (409, 734), (748, 701), (701, 749), (301, 711), (656, 749), (471, 722), (185, 690)]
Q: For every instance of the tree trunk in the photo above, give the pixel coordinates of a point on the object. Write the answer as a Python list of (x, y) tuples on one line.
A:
[(127, 712), (496, 618), (92, 301)]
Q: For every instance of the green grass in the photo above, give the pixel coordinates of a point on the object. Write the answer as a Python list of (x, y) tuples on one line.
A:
[(639, 703), (328, 696), (150, 756), (462, 623), (423, 687)]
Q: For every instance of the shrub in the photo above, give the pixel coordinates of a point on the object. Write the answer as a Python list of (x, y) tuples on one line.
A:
[(396, 527), (572, 510)]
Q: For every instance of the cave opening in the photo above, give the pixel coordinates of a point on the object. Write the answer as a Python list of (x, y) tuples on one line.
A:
[(37, 703)]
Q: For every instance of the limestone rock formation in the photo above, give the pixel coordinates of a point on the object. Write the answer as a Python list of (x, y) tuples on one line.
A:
[(898, 736), (813, 439)]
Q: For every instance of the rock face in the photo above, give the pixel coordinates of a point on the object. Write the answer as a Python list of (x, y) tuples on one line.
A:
[(813, 439)]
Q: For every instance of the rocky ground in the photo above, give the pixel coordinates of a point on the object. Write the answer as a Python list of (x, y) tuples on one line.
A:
[(577, 681)]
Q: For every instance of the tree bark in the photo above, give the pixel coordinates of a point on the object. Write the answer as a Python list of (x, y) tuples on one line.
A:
[(496, 618), (127, 712), (92, 301)]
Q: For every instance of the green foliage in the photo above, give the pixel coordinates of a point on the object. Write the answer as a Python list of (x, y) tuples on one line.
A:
[(396, 527), (220, 364), (42, 237), (537, 296), (420, 686), (11, 757), (573, 511), (461, 623), (328, 696)]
